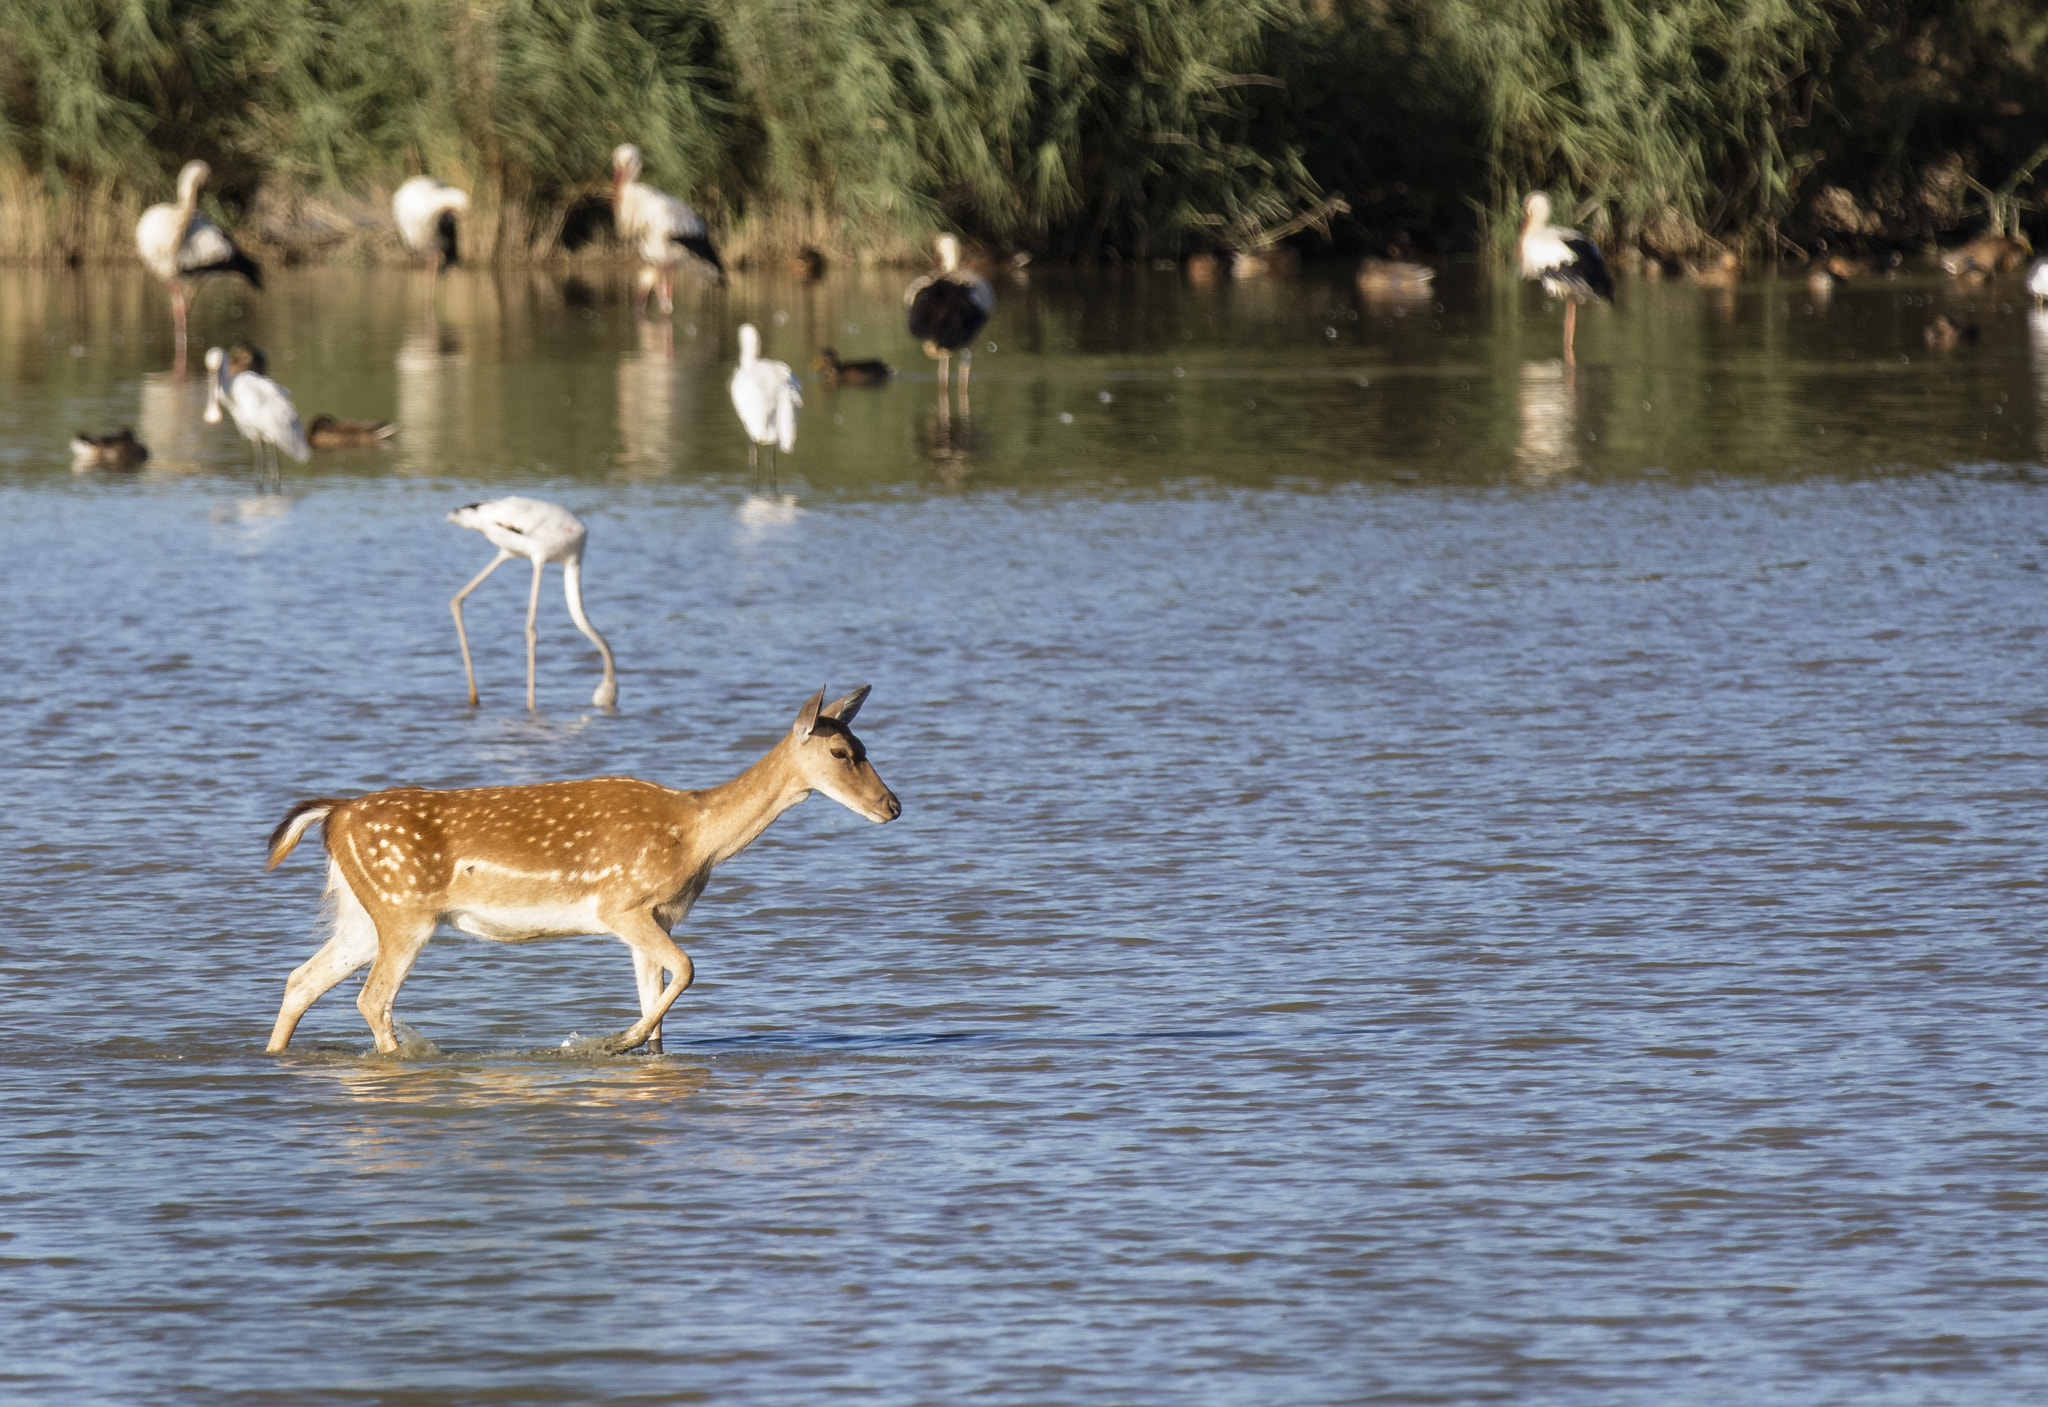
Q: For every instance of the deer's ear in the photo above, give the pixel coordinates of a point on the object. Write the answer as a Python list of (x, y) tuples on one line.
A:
[(808, 718), (844, 709)]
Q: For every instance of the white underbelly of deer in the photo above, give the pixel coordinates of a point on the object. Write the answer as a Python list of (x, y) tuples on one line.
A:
[(519, 864), (524, 923)]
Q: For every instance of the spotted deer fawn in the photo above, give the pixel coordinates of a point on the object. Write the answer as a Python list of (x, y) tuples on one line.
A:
[(608, 855)]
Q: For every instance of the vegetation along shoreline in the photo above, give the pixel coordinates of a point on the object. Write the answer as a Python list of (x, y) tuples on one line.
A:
[(1676, 131)]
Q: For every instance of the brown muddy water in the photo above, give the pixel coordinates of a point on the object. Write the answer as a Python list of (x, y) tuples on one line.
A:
[(1425, 876)]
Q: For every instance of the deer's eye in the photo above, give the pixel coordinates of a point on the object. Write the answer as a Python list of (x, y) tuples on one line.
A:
[(841, 753)]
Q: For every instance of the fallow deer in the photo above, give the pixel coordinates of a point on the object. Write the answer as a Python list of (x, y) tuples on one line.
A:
[(519, 863)]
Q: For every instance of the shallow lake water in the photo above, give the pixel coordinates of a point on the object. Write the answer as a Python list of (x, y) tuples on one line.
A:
[(1426, 874)]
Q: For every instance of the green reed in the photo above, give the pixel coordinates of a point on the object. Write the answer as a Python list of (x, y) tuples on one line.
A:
[(1071, 127)]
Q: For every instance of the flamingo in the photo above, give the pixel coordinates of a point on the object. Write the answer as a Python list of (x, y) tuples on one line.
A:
[(425, 211), (659, 224), (262, 409), (834, 372), (541, 532), (1565, 262), (177, 243), (767, 396), (120, 450), (946, 309)]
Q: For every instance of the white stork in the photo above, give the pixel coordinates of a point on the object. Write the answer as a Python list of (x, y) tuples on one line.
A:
[(262, 409), (1565, 262), (947, 309), (767, 396), (659, 225), (176, 242), (425, 212), (541, 532)]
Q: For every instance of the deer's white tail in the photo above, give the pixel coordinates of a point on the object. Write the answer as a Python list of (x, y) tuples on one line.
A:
[(295, 823)]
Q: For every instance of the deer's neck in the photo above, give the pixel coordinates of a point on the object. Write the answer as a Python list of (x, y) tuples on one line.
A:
[(735, 814)]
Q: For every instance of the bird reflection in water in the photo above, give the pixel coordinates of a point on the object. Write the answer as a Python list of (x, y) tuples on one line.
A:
[(2037, 344), (948, 444), (433, 398), (170, 421), (647, 388), (1546, 442)]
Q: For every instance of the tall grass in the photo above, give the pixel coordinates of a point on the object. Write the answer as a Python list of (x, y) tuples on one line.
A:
[(1069, 127)]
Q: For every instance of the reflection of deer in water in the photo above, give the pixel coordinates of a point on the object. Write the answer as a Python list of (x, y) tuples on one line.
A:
[(515, 864)]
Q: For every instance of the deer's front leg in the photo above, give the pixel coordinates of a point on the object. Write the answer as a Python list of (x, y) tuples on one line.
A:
[(653, 950), (647, 977)]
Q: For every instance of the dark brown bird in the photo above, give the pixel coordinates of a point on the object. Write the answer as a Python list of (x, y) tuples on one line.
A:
[(1724, 270), (1986, 254), (332, 432), (834, 372), (1394, 278), (1945, 333), (120, 450)]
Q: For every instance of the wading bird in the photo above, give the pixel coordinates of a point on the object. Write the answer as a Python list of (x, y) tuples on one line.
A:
[(514, 864), (661, 226), (425, 212), (1565, 262), (177, 243), (120, 450), (834, 372), (541, 532), (947, 309), (2037, 280), (767, 396), (262, 409)]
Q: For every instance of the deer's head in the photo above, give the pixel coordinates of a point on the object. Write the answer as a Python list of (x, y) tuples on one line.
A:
[(830, 759)]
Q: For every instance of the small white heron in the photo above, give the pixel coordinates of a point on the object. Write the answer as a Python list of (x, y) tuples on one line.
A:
[(425, 210), (177, 243), (1565, 262), (541, 532), (947, 309), (767, 396), (2037, 280), (661, 226), (262, 409)]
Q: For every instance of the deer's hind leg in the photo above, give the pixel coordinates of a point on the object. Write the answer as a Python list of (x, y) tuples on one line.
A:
[(401, 935), (353, 943)]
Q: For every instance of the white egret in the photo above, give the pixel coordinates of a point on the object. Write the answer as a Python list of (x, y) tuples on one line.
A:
[(767, 396), (541, 532)]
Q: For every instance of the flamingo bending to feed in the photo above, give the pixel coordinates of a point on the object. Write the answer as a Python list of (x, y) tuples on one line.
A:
[(947, 309), (1565, 262), (660, 225), (177, 243), (425, 210), (541, 532), (767, 396), (262, 409)]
